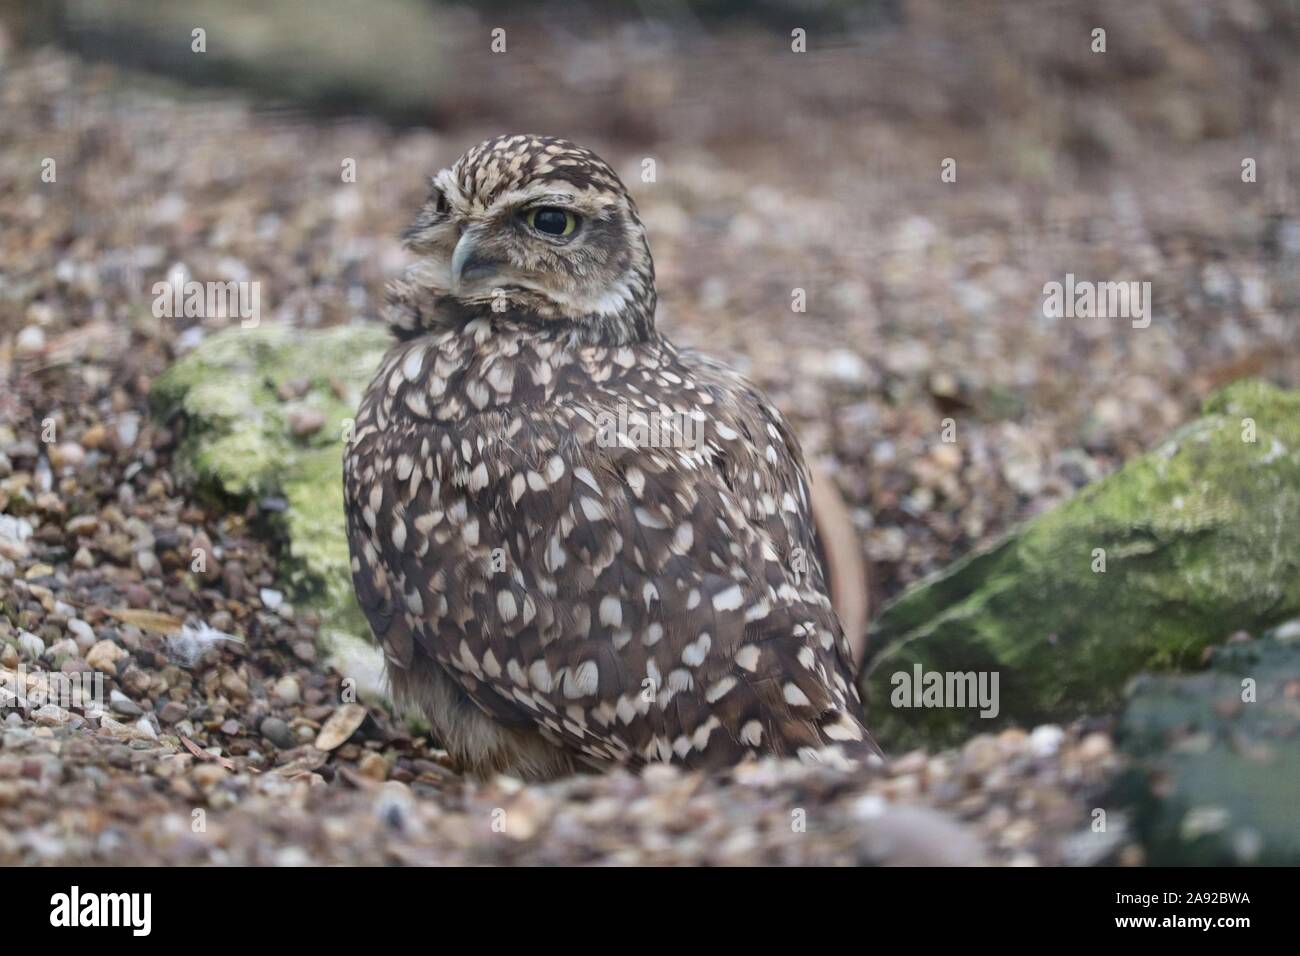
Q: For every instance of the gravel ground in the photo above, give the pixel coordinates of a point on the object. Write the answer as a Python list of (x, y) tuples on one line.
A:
[(924, 303)]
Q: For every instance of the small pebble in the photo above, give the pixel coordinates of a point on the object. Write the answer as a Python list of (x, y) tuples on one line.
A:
[(31, 646), (104, 656), (30, 341), (277, 731), (119, 703), (287, 690)]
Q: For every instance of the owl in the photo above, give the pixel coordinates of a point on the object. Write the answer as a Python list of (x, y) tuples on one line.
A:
[(579, 546)]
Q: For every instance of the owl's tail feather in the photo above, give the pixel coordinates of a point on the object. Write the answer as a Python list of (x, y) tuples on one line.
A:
[(846, 744), (843, 757)]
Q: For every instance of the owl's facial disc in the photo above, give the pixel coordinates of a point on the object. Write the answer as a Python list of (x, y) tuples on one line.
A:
[(552, 249), (538, 226)]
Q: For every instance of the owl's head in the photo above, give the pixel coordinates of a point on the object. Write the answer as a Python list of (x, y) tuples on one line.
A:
[(541, 228)]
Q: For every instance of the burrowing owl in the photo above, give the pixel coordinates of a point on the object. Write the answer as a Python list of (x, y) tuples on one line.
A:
[(578, 545)]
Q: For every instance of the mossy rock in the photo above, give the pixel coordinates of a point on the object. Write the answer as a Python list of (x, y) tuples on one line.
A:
[(1215, 774), (1200, 537), (237, 445)]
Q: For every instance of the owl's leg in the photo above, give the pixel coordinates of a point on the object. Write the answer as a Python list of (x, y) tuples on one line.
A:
[(480, 745)]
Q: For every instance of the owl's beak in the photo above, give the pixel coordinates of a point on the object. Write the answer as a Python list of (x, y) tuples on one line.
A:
[(468, 264)]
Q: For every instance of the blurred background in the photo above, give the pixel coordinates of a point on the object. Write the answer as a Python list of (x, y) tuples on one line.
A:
[(794, 145), (773, 170)]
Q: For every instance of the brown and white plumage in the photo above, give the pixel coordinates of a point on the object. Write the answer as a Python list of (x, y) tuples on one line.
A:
[(578, 545)]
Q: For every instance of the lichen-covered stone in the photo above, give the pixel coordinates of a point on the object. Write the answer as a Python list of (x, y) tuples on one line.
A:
[(1199, 538), (1215, 779), (234, 399)]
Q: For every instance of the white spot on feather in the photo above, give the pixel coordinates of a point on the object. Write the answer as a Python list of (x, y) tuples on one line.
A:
[(728, 600), (747, 657), (697, 651), (506, 605), (719, 690), (611, 611), (582, 681), (794, 696)]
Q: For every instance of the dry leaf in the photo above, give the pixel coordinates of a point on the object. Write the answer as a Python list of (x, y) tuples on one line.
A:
[(342, 724), (310, 760), (358, 781), (202, 754), (154, 621), (845, 570)]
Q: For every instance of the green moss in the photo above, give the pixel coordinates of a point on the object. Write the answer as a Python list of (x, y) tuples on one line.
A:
[(241, 464), (237, 445), (317, 540), (1201, 537)]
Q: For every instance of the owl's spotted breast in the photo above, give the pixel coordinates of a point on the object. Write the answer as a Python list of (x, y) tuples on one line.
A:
[(609, 544)]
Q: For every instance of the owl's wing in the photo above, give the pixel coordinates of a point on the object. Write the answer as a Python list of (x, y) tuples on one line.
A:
[(632, 571), (366, 487)]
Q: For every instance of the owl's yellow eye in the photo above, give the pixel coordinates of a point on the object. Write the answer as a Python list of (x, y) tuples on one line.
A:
[(552, 221)]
